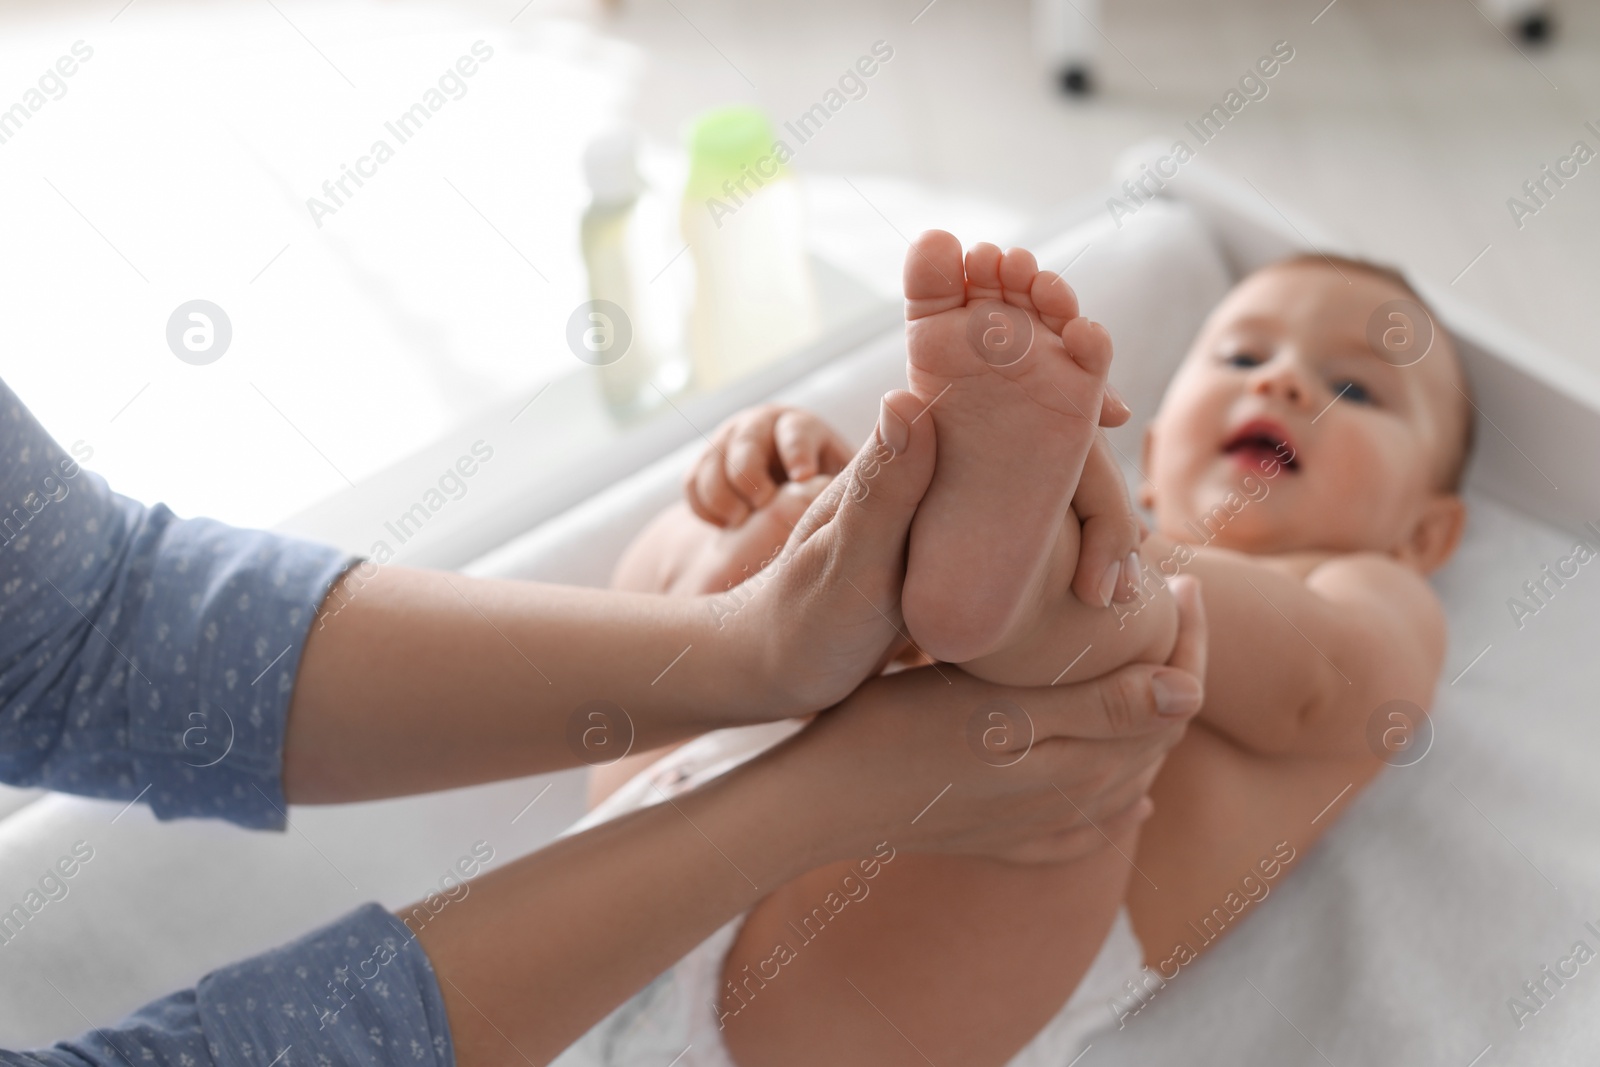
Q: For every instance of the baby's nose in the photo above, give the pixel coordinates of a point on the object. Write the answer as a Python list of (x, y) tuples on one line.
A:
[(1279, 381)]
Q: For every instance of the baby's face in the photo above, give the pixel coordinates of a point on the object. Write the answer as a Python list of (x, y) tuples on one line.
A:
[(1250, 424)]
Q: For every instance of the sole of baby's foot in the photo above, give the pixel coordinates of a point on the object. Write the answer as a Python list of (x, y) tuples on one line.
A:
[(1014, 377)]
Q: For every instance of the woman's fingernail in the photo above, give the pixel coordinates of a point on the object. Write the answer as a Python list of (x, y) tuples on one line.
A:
[(892, 429), (1116, 398), (1134, 569), (1176, 692), (1108, 583)]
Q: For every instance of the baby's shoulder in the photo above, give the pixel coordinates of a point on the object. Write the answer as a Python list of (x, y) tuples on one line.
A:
[(1374, 586)]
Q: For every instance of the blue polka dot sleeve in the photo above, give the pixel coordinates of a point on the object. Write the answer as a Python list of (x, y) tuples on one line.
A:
[(143, 656), (358, 992)]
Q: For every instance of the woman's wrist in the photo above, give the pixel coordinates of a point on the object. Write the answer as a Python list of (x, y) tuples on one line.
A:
[(615, 904), (739, 675), (777, 817)]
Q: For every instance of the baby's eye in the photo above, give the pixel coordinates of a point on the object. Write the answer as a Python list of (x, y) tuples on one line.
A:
[(1354, 392), (1242, 359)]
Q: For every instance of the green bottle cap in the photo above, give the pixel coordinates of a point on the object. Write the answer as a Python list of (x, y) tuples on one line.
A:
[(723, 143)]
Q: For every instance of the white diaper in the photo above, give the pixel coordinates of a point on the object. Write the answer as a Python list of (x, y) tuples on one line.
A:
[(672, 1021)]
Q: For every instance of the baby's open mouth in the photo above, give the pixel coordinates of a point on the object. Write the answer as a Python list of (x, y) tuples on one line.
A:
[(1261, 443)]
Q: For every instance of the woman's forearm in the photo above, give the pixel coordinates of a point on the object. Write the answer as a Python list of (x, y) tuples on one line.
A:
[(413, 681), (544, 948)]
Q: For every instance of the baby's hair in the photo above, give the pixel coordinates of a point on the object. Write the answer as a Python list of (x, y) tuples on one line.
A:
[(1458, 467)]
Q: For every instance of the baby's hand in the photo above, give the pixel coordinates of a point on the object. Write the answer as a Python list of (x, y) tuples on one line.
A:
[(755, 452)]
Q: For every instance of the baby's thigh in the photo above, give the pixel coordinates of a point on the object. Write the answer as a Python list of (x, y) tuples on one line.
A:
[(682, 555), (656, 558), (970, 957)]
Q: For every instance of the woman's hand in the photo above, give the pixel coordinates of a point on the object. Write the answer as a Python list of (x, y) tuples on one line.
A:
[(390, 646), (825, 613), (935, 760), (904, 760), (1108, 557)]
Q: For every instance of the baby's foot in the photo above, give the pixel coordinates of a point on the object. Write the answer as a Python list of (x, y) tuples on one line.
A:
[(1014, 376)]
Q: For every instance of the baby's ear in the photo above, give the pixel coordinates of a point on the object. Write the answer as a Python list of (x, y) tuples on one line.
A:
[(1437, 533)]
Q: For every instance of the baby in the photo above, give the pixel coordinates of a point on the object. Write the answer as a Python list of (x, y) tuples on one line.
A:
[(1306, 478)]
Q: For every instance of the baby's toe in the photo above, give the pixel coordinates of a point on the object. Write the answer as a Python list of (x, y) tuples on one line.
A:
[(983, 272), (1089, 345), (933, 281), (1054, 300), (1017, 271)]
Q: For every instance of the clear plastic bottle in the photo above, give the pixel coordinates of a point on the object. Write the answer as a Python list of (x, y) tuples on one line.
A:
[(627, 234), (743, 218)]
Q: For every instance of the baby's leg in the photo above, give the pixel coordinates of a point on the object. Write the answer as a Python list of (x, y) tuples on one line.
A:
[(1014, 378), (682, 555), (962, 961), (959, 962)]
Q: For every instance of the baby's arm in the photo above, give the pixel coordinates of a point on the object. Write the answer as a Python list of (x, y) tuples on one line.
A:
[(1304, 649)]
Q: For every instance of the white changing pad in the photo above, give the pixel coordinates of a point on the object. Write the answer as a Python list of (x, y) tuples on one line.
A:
[(1397, 941), (1446, 885)]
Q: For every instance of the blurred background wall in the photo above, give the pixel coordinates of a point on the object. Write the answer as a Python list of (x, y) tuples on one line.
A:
[(177, 162)]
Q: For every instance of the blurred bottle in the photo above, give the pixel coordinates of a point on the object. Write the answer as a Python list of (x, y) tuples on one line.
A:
[(745, 225), (627, 234)]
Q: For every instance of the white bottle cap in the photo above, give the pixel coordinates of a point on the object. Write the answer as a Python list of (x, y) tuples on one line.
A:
[(610, 164)]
